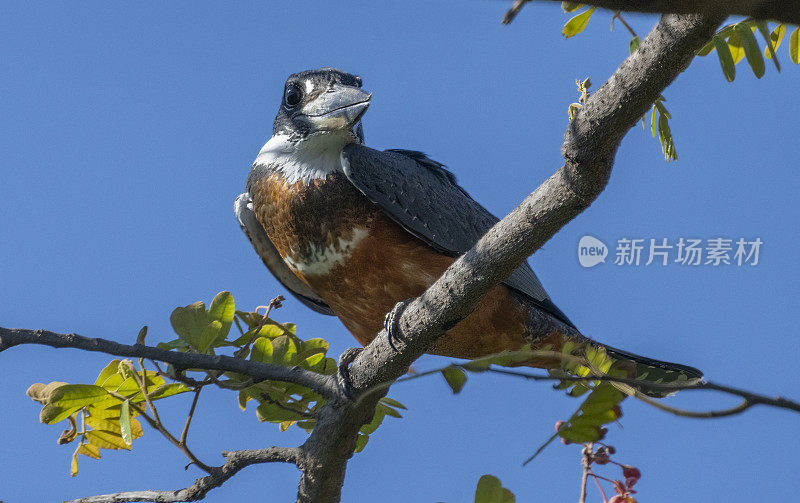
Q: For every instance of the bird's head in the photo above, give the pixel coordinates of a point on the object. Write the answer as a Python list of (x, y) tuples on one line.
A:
[(317, 102)]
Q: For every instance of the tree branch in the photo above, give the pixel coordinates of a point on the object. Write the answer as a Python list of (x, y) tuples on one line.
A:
[(324, 385), (591, 141), (234, 462), (785, 12)]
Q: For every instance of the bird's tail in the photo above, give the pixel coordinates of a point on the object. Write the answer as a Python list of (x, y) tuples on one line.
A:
[(649, 370)]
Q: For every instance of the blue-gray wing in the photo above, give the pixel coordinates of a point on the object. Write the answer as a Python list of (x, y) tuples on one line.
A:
[(425, 199), (243, 207)]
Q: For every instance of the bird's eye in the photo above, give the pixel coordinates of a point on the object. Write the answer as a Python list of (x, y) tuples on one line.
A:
[(292, 96)]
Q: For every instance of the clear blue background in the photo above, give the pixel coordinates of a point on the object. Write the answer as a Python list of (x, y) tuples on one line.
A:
[(128, 129)]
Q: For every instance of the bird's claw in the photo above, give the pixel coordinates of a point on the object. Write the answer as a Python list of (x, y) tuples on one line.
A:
[(343, 373), (391, 323)]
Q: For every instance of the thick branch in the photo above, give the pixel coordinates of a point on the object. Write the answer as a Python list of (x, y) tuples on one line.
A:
[(324, 385), (783, 11), (234, 462), (589, 147)]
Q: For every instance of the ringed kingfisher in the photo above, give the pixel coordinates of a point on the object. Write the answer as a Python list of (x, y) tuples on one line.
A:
[(351, 231)]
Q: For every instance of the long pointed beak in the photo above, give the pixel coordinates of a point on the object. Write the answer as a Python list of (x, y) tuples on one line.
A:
[(339, 108)]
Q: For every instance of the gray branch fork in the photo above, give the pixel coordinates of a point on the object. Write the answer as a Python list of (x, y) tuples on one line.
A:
[(590, 143)]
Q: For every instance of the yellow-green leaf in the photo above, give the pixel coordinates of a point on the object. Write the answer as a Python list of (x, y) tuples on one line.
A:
[(66, 399), (73, 467), (489, 490), (794, 46), (455, 377), (735, 46), (89, 450), (361, 442), (222, 309), (125, 422), (162, 391), (262, 350), (577, 24), (751, 49), (113, 425), (769, 51), (725, 58), (283, 350), (109, 370), (634, 44), (41, 392), (106, 440), (776, 37)]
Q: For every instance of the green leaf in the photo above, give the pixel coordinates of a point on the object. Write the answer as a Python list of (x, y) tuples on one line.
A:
[(376, 421), (751, 49), (577, 24), (634, 44), (66, 399), (142, 335), (769, 52), (275, 413), (706, 49), (508, 496), (222, 309), (178, 344), (189, 322), (489, 490), (794, 46), (725, 58), (125, 422), (393, 403), (389, 411), (455, 377)]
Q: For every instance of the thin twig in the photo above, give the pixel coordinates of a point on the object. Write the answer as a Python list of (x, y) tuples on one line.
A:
[(514, 10), (158, 426), (585, 461), (749, 398), (185, 431), (618, 15)]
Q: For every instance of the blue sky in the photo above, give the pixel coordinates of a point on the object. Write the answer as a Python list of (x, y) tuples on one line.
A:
[(128, 130)]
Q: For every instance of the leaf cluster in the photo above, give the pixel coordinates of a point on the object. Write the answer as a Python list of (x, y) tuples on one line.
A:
[(101, 415), (737, 41)]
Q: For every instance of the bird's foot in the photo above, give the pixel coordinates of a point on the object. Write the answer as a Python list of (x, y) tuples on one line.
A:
[(391, 323), (343, 374)]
